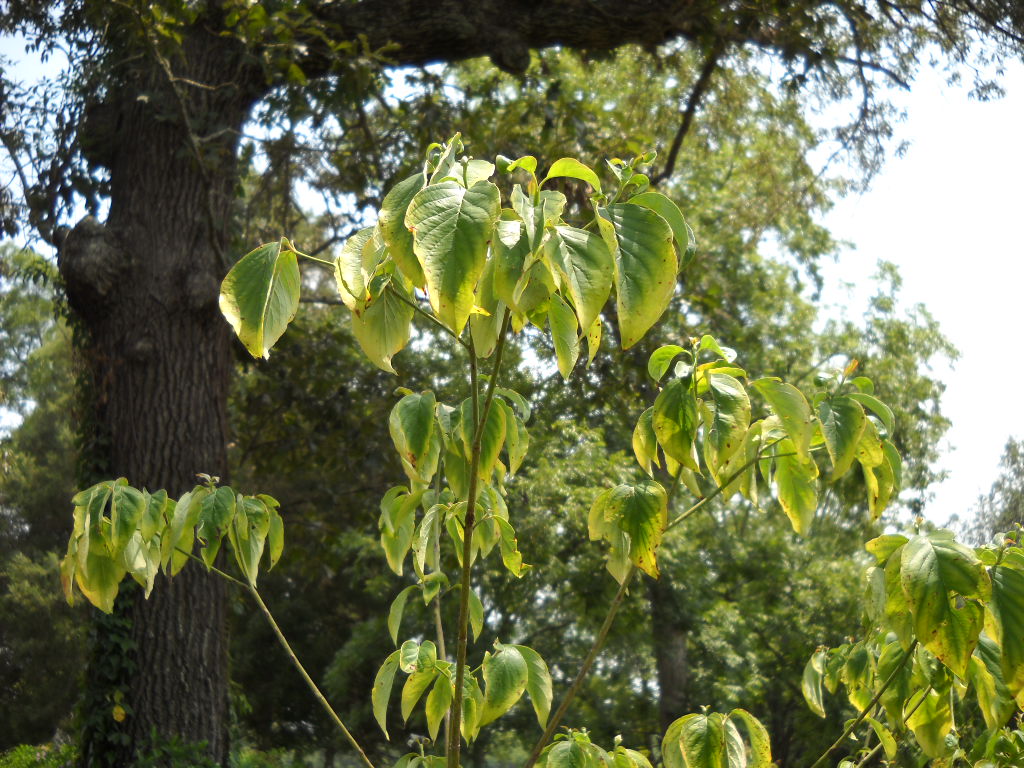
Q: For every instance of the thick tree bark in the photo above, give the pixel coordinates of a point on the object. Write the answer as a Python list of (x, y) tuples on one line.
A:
[(670, 632), (145, 285)]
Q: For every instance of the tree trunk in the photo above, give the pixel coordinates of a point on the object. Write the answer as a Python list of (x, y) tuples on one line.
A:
[(670, 631), (145, 286)]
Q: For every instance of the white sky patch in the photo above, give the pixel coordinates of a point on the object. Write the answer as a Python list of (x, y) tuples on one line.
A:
[(949, 215)]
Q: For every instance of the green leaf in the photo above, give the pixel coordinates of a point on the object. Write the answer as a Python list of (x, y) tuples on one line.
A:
[(810, 685), (382, 690), (396, 611), (382, 326), (569, 167), (397, 524), (669, 211), (354, 267), (415, 686), (931, 721), (485, 328), (391, 221), (101, 577), (885, 738), (511, 557), (675, 422), (880, 409), (260, 296), (728, 426), (564, 330), (517, 439), (660, 360), (594, 339), (127, 506), (472, 708), (538, 683), (639, 511), (566, 754), (791, 406), (452, 227), (645, 442), (795, 481), (1004, 623), (438, 702), (412, 428), (645, 269), (842, 423), (587, 269), (760, 744), (216, 513), (505, 677), (702, 741), (476, 614), (275, 536), (931, 567), (985, 675)]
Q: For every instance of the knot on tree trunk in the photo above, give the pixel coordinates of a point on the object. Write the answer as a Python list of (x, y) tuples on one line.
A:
[(92, 263)]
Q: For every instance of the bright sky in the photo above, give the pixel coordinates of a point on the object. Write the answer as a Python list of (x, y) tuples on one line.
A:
[(949, 214)]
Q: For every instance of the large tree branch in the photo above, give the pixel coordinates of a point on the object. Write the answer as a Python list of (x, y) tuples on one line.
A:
[(412, 32)]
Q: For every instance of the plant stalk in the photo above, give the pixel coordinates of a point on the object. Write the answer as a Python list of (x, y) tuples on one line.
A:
[(454, 736)]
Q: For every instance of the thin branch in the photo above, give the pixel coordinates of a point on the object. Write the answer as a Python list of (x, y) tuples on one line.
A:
[(454, 737), (692, 103), (425, 314), (305, 676), (288, 650)]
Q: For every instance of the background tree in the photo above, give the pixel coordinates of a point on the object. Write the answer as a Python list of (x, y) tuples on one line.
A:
[(154, 102)]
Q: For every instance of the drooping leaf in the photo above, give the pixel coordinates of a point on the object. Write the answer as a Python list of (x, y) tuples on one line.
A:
[(564, 334), (412, 427), (810, 685), (791, 406), (670, 212), (382, 690), (396, 611), (538, 683), (587, 269), (760, 744), (675, 421), (438, 701), (639, 511), (260, 296), (842, 423), (505, 677), (452, 227), (931, 721), (795, 481), (352, 268), (384, 323), (398, 238), (1004, 623), (731, 417), (931, 567), (985, 675), (645, 442), (415, 686), (645, 269)]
